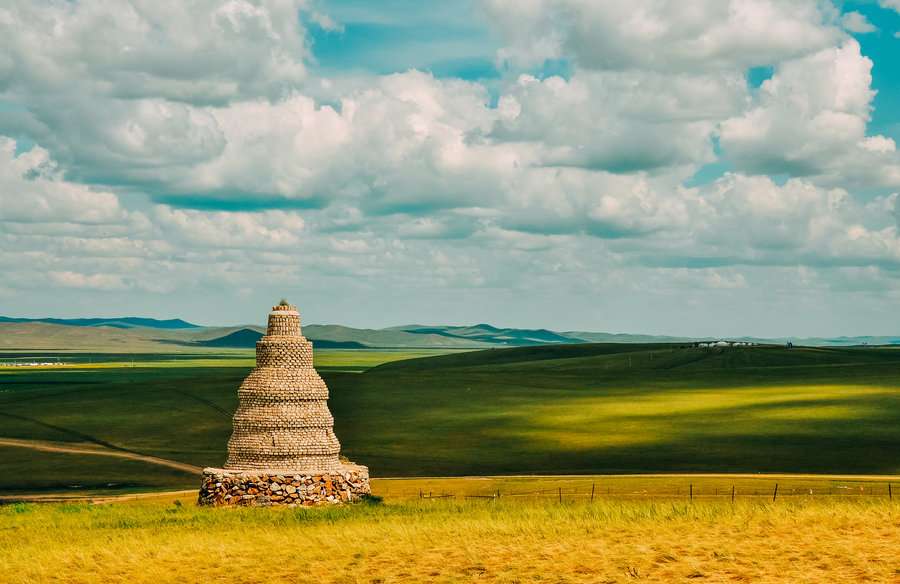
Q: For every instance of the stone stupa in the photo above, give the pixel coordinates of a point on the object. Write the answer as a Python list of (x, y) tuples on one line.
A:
[(283, 450)]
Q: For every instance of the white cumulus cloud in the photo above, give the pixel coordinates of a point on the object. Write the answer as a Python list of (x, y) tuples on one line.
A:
[(32, 190), (189, 148), (856, 22), (198, 51), (220, 229), (660, 34), (810, 119)]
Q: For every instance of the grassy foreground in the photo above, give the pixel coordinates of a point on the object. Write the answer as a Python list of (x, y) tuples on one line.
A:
[(452, 541)]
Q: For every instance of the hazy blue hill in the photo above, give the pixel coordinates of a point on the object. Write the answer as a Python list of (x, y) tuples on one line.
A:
[(533, 337), (320, 344), (49, 336), (857, 341), (246, 338), (151, 334), (123, 322), (386, 338), (46, 336), (242, 339), (589, 337), (485, 333)]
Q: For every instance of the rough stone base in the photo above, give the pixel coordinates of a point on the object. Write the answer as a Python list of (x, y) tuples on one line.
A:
[(265, 488)]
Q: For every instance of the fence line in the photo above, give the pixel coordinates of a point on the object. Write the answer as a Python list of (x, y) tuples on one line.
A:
[(572, 494)]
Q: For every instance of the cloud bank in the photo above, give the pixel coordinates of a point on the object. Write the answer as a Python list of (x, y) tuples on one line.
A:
[(626, 169)]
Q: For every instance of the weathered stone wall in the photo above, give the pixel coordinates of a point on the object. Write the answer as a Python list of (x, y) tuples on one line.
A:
[(292, 354), (223, 487), (284, 321)]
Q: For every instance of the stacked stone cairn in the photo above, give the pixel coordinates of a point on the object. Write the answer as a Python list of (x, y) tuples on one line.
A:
[(283, 450)]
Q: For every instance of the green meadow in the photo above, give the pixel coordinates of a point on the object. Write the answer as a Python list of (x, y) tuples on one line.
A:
[(572, 409), (627, 409)]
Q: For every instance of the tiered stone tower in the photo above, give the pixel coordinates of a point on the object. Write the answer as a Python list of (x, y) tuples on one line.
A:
[(283, 450)]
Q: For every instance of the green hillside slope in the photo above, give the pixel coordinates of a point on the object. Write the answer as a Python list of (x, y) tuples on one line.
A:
[(627, 408), (643, 357), (41, 336), (534, 410), (27, 336)]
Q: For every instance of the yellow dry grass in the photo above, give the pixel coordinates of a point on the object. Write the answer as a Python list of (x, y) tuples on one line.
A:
[(669, 487), (447, 541)]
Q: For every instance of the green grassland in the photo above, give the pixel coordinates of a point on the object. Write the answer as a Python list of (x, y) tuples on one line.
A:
[(35, 472), (627, 408), (574, 409), (325, 359)]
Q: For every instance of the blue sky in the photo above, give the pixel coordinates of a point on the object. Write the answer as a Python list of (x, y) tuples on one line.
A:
[(393, 37), (881, 46), (703, 168)]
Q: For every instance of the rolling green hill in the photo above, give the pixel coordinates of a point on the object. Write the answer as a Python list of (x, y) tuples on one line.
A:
[(628, 408), (43, 336), (387, 338), (533, 410), (648, 357)]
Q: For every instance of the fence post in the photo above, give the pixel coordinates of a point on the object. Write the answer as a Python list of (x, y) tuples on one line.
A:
[(890, 496), (692, 493), (560, 494), (592, 491), (732, 493), (776, 492)]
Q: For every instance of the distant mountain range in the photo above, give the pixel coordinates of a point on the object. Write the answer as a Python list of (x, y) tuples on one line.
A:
[(124, 322), (148, 334)]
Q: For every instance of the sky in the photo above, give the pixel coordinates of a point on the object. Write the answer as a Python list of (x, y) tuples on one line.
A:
[(691, 167)]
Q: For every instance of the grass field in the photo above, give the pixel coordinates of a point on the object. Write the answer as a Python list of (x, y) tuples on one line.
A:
[(577, 409), (325, 359), (581, 409), (446, 541), (626, 409)]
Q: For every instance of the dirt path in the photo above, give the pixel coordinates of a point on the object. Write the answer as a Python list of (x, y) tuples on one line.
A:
[(100, 499), (89, 448), (92, 499)]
